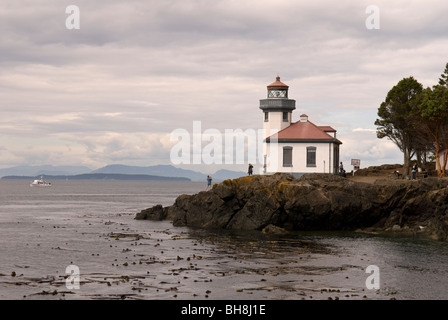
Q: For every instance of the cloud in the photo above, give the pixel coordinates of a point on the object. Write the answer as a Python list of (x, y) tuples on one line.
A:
[(132, 148), (137, 70), (364, 130), (363, 144)]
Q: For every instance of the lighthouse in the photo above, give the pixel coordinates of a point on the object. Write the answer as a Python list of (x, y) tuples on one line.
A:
[(295, 147), (277, 108)]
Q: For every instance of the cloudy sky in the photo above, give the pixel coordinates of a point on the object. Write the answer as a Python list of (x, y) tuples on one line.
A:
[(114, 90)]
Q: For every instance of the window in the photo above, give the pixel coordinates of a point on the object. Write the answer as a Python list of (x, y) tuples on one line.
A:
[(285, 116), (276, 93), (311, 156), (266, 116), (287, 156)]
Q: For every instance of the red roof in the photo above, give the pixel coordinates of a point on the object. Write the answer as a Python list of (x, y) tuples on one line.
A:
[(304, 130), (277, 84), (326, 128)]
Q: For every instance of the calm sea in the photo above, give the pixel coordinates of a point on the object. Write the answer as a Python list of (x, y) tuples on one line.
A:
[(89, 227)]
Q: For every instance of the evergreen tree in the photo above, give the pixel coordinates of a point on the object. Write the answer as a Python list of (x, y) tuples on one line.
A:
[(395, 117), (443, 80), (434, 113)]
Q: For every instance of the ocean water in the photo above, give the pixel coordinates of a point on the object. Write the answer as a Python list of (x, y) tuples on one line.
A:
[(89, 228)]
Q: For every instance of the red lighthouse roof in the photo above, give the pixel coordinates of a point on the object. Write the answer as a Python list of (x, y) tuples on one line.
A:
[(304, 131), (277, 84)]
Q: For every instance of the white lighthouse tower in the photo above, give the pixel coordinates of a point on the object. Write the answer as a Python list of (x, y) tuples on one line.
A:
[(277, 114), (277, 108)]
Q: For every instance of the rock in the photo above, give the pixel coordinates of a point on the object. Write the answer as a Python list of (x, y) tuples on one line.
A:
[(271, 229), (313, 202), (155, 213), (379, 170)]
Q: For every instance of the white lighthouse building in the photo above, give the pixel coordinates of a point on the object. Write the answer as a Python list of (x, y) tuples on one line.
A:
[(295, 147)]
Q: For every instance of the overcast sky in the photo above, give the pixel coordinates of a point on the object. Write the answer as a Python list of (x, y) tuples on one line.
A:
[(114, 90)]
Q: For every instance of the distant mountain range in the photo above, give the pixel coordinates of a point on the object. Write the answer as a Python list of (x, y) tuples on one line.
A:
[(43, 170), (158, 170), (99, 176), (134, 172)]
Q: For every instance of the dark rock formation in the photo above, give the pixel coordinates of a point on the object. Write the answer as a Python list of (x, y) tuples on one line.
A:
[(314, 202), (155, 213)]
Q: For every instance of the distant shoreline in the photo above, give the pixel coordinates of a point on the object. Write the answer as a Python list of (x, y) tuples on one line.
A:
[(99, 176)]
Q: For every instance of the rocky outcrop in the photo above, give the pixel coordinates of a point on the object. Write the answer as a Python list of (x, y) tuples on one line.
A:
[(314, 202)]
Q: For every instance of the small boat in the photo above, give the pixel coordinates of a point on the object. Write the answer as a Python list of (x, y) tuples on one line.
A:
[(40, 183)]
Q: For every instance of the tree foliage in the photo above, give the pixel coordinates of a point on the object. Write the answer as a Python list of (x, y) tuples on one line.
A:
[(443, 80), (416, 119), (395, 117), (434, 114)]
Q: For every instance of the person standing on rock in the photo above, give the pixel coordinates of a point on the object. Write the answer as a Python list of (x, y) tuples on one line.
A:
[(414, 171), (250, 171), (209, 183), (341, 169)]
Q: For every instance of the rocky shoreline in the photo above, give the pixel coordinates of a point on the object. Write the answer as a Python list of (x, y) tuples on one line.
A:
[(280, 203)]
